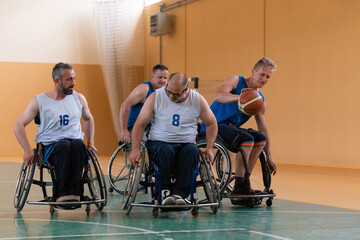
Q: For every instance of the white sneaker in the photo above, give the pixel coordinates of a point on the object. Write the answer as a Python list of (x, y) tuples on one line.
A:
[(179, 200), (166, 198)]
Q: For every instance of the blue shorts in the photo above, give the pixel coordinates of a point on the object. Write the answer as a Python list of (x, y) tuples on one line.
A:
[(235, 138)]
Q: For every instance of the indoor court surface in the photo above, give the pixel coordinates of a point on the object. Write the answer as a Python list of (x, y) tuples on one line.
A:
[(296, 213)]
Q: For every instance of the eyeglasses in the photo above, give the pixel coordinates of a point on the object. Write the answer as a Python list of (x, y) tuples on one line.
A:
[(175, 95)]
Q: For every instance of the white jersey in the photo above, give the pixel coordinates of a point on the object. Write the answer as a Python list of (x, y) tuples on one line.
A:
[(175, 122), (59, 119)]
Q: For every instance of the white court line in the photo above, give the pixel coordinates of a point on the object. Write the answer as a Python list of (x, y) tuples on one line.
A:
[(153, 233), (307, 212), (79, 222), (269, 235)]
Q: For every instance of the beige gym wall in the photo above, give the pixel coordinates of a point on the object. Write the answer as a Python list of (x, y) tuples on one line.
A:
[(34, 36), (312, 113)]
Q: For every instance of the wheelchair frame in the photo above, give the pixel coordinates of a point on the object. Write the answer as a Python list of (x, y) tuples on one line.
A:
[(136, 180), (265, 179), (225, 176), (92, 177)]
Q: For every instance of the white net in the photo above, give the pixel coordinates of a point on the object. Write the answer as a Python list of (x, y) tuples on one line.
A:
[(120, 28)]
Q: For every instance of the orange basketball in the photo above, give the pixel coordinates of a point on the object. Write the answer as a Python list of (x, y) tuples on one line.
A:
[(250, 102)]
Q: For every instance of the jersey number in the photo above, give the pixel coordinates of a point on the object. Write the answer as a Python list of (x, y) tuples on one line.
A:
[(64, 120), (176, 120)]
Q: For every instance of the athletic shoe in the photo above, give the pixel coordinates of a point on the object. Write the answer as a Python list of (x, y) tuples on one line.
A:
[(179, 200), (68, 198), (242, 189), (166, 198), (255, 192)]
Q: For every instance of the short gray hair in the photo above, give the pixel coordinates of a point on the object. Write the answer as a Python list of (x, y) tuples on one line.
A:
[(58, 70)]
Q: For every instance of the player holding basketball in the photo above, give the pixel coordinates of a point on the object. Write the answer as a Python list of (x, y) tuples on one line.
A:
[(230, 118), (132, 105)]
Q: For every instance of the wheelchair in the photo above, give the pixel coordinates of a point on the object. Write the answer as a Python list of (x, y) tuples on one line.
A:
[(221, 162), (119, 168), (260, 179), (145, 175), (224, 176), (119, 165), (92, 177)]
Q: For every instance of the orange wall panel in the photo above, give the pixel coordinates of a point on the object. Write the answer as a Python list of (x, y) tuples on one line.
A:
[(223, 37), (311, 98), (314, 96)]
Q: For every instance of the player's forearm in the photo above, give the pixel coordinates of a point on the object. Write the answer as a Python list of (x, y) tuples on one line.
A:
[(89, 127), (211, 134), (124, 116), (136, 135), (225, 97), (21, 136)]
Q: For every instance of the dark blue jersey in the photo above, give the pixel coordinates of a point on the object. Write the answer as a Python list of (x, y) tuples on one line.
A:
[(135, 110)]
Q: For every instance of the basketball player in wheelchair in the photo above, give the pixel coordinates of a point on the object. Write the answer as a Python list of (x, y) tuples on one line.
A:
[(247, 144), (174, 111), (60, 133)]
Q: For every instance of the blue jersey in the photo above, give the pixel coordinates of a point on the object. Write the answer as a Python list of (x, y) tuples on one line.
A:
[(135, 110), (229, 113)]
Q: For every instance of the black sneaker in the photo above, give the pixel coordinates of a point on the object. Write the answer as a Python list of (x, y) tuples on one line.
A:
[(256, 192), (242, 188)]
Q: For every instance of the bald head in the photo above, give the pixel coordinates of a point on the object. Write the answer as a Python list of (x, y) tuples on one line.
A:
[(177, 81), (176, 89)]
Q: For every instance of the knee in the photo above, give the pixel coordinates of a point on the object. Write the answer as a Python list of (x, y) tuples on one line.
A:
[(247, 141), (260, 139)]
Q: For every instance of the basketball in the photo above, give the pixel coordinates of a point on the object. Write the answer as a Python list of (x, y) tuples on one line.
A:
[(250, 102)]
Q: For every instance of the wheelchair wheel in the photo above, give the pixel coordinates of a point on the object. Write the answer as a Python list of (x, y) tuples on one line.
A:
[(23, 185), (118, 169), (133, 189), (209, 183), (222, 164), (95, 180), (127, 188)]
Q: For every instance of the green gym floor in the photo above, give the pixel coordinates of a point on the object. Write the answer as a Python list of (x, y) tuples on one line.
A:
[(308, 206)]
